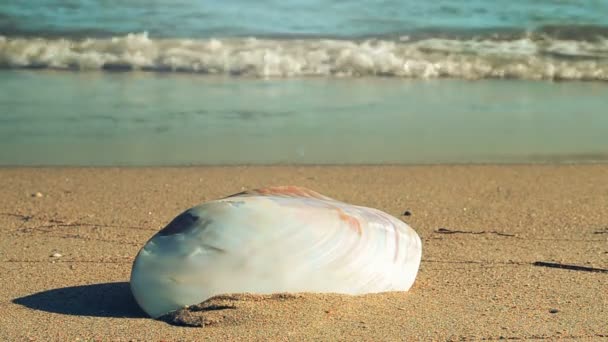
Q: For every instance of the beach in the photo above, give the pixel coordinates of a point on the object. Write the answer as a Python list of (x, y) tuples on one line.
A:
[(493, 236), (482, 126)]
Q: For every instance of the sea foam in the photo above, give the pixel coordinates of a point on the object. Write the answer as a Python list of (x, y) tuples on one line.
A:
[(526, 57)]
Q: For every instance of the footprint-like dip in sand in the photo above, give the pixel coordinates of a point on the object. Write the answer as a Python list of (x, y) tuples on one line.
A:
[(279, 239)]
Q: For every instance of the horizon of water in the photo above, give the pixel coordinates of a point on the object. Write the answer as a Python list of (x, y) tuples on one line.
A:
[(300, 18)]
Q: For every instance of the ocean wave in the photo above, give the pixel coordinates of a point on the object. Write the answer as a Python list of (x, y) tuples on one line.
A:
[(525, 57)]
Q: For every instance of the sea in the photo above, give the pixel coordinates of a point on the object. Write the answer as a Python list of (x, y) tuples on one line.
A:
[(185, 82)]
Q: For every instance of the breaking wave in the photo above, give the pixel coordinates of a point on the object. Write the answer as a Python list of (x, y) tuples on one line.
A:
[(525, 57)]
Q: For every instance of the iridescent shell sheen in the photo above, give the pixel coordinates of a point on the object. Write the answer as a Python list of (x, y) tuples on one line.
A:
[(280, 239)]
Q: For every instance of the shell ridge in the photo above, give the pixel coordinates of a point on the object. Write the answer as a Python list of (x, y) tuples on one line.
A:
[(285, 191)]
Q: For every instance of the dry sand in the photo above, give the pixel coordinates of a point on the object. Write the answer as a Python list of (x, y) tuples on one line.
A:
[(482, 228)]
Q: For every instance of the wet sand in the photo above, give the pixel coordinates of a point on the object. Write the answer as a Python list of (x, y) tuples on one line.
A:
[(491, 236)]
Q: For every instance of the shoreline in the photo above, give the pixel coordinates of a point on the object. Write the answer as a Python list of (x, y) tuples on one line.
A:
[(548, 163), (483, 227)]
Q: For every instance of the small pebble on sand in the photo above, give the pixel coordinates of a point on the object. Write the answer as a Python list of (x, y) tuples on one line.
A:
[(37, 194), (56, 255), (553, 311)]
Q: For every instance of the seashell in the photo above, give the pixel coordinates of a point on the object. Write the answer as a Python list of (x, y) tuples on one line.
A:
[(278, 239)]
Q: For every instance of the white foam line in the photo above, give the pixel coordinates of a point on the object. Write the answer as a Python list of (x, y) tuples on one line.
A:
[(523, 58)]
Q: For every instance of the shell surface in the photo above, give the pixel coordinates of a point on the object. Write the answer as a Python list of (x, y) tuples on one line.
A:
[(280, 239)]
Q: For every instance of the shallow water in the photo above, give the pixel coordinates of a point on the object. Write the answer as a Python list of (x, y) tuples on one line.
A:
[(93, 118)]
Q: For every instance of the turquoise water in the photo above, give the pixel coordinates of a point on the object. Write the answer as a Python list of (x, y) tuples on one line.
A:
[(318, 18), (521, 39), (96, 82), (167, 119)]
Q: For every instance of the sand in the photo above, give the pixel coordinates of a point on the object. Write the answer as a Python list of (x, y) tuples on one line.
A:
[(69, 236)]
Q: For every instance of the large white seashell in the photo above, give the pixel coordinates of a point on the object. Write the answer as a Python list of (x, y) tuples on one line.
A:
[(280, 239)]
